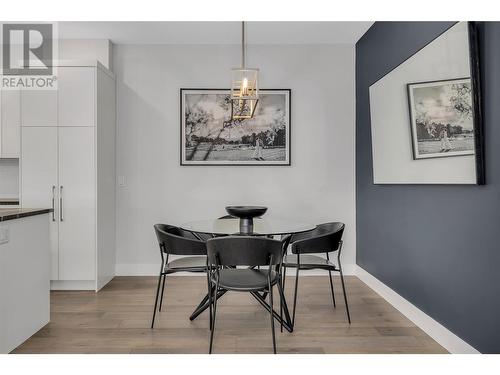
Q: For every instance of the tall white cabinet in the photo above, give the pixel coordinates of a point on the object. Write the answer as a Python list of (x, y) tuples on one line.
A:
[(9, 124), (68, 163)]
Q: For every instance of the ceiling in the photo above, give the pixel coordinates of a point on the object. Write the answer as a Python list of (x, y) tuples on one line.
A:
[(216, 32)]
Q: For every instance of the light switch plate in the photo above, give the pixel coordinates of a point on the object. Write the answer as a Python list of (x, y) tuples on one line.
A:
[(121, 181), (4, 235)]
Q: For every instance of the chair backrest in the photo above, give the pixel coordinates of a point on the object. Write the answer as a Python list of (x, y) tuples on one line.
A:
[(244, 251), (174, 240), (325, 238)]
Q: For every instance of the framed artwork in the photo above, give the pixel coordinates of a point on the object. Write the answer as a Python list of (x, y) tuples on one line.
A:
[(441, 118), (210, 137)]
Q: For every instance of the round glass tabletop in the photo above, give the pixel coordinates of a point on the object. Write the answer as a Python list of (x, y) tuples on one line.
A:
[(262, 227)]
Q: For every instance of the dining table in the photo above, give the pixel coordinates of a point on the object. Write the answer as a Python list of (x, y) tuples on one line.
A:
[(229, 226)]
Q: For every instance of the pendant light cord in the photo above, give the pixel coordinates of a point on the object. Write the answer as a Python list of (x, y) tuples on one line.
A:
[(243, 44)]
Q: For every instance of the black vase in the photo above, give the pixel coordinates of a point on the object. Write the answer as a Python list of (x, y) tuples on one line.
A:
[(246, 215)]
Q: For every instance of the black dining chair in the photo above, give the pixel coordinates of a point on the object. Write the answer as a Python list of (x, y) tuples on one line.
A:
[(175, 241), (326, 238), (226, 253)]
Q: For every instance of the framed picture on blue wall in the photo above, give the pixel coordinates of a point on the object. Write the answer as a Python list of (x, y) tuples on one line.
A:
[(441, 118)]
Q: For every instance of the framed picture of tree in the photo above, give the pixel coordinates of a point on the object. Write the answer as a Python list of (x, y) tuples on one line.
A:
[(441, 118), (210, 137)]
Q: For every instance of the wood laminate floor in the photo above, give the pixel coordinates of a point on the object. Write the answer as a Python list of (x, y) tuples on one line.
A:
[(117, 320)]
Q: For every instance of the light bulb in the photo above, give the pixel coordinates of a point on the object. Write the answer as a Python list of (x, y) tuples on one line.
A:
[(244, 87)]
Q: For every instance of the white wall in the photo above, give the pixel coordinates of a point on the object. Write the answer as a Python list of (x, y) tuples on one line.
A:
[(318, 187), (87, 49)]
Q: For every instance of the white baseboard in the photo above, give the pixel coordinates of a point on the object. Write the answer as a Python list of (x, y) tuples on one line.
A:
[(101, 282), (438, 332), (72, 285), (135, 269), (132, 269)]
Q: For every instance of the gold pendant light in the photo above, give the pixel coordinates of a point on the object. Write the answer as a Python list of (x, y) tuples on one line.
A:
[(244, 87)]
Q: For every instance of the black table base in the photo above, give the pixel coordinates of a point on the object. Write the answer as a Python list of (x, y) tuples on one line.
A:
[(261, 298), (246, 226), (286, 321)]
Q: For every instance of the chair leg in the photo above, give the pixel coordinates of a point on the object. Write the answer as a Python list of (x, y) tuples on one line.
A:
[(283, 301), (331, 286), (281, 308), (162, 290), (209, 286), (213, 319), (295, 295), (156, 300), (272, 317), (345, 295), (283, 278)]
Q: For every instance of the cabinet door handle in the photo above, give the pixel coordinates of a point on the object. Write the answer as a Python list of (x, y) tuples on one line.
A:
[(53, 203), (61, 218)]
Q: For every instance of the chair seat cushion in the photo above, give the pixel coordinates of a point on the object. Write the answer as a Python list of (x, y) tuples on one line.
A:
[(245, 280), (189, 264), (308, 261)]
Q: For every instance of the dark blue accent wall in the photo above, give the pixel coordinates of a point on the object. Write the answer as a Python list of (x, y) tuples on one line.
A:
[(437, 246)]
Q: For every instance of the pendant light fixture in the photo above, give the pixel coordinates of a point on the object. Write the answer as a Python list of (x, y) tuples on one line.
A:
[(244, 87)]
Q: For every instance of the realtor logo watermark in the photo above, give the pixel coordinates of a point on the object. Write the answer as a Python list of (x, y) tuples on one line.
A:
[(28, 53)]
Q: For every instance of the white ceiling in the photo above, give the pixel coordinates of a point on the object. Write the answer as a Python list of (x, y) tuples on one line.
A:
[(215, 32)]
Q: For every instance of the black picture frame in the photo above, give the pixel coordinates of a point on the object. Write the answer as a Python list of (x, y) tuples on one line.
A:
[(475, 70), (183, 162), (412, 122)]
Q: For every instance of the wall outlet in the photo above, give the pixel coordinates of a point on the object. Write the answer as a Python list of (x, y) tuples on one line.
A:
[(4, 235)]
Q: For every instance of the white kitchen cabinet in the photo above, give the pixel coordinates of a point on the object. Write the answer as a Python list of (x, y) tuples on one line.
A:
[(39, 107), (77, 200), (24, 280), (40, 180), (72, 104), (9, 124), (77, 96), (76, 155)]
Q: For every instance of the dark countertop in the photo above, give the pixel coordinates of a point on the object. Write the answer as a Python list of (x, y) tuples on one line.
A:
[(17, 213), (9, 201)]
